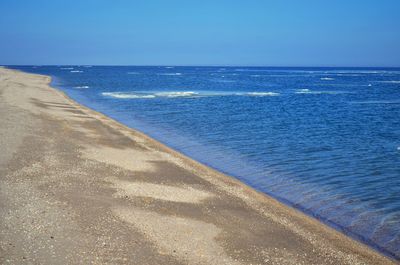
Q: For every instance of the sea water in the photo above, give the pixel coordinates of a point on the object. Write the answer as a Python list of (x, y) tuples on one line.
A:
[(323, 140)]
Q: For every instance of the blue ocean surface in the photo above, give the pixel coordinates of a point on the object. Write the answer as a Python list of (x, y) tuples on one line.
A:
[(323, 140)]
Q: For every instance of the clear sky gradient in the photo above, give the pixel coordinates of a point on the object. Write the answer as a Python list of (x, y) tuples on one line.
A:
[(206, 32)]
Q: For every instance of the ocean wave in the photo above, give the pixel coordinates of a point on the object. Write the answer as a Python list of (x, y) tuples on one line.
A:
[(177, 94), (172, 74), (66, 68), (308, 91), (81, 87), (390, 82), (329, 84), (184, 94), (301, 91), (138, 95), (132, 73), (327, 78), (76, 71), (262, 94), (123, 95)]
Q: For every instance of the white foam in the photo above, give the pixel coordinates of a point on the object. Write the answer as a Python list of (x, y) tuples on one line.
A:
[(177, 94), (308, 91), (390, 82), (81, 87), (171, 74), (136, 95), (263, 94), (327, 78), (76, 71), (305, 90), (185, 94), (357, 72), (126, 95), (169, 67)]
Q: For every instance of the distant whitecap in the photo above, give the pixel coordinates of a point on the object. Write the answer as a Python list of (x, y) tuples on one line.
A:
[(305, 90), (263, 94), (185, 94), (390, 82), (122, 95), (172, 74), (177, 94), (315, 92)]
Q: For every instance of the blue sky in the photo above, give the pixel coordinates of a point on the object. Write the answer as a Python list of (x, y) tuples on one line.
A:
[(207, 32)]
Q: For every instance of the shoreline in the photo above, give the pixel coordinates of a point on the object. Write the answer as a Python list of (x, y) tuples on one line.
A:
[(256, 215)]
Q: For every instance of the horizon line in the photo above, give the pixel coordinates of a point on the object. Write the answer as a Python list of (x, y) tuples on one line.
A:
[(193, 65)]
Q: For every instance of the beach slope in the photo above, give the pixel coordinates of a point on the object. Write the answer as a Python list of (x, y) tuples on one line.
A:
[(77, 187)]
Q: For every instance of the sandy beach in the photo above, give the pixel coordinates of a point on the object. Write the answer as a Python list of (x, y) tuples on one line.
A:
[(77, 187)]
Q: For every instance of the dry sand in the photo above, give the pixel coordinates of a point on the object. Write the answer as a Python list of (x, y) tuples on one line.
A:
[(79, 188)]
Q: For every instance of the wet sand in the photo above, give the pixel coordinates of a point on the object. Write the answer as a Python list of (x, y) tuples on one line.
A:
[(76, 187)]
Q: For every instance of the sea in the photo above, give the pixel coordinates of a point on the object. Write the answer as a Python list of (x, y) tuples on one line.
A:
[(323, 140)]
